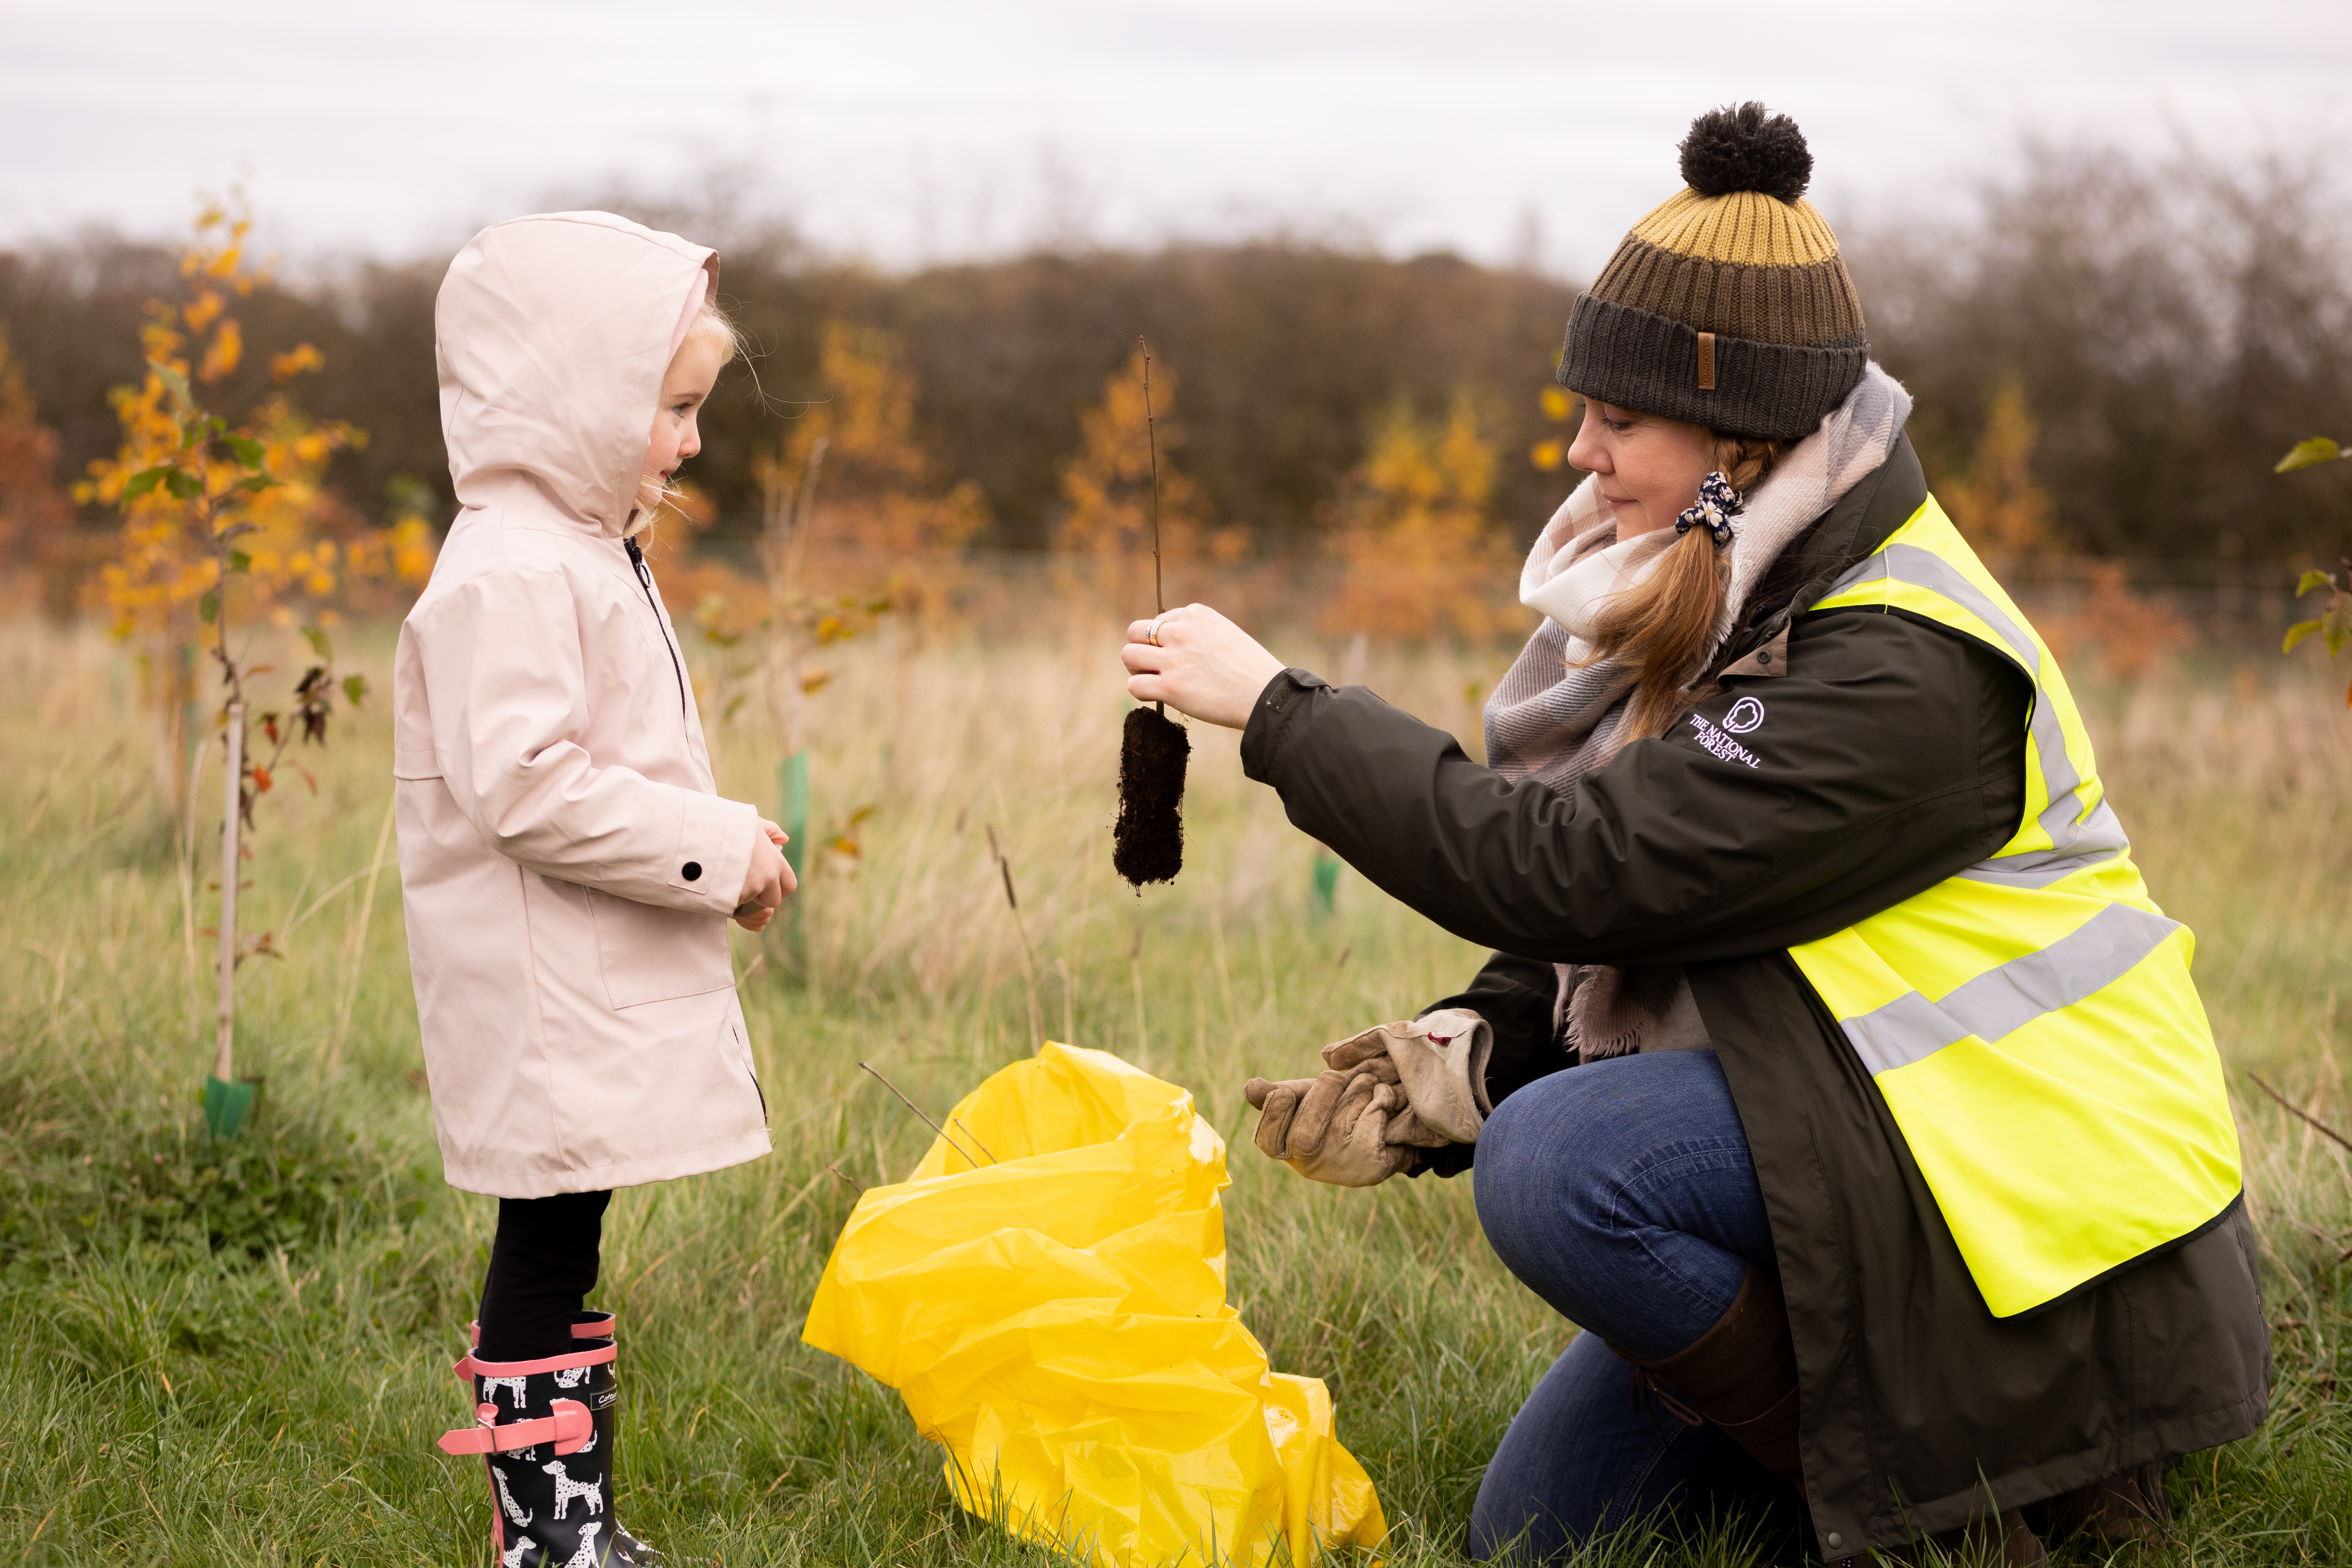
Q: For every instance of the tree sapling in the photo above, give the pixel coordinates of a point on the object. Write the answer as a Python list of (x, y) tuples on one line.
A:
[(1148, 841)]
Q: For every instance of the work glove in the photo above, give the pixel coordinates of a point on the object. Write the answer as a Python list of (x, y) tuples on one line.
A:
[(1439, 1061), (1331, 1128)]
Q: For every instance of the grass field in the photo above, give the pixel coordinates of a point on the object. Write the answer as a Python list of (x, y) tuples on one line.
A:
[(240, 1353)]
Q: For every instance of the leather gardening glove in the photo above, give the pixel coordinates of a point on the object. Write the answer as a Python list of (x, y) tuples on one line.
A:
[(1439, 1061), (1330, 1128)]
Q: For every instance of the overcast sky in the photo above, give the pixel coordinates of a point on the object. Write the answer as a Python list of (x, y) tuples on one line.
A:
[(923, 130)]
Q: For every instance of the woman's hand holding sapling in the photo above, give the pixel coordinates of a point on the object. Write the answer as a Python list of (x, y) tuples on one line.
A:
[(767, 881), (1202, 666)]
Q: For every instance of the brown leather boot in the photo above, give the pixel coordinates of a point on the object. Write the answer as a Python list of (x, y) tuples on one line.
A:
[(1741, 1374), (2004, 1542), (2126, 1507)]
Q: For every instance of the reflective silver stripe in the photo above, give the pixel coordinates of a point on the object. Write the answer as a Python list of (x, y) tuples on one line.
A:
[(1925, 569), (2099, 837), (2003, 1000)]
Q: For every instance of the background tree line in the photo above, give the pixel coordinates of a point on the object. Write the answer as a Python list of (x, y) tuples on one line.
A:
[(2133, 337)]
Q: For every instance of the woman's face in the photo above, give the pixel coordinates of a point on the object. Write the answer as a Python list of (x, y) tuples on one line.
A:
[(1650, 466)]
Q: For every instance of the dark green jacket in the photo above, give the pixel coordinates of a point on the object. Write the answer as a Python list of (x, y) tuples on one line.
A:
[(1890, 756)]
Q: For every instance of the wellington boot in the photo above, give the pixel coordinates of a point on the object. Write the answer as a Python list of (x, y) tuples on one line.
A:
[(2126, 1508), (1741, 1375), (2003, 1541), (546, 1430), (586, 1326)]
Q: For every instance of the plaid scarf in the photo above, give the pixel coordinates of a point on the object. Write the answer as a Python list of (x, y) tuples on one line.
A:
[(1554, 717)]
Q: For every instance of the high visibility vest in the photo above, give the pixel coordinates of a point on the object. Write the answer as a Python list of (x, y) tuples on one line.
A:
[(2031, 1021)]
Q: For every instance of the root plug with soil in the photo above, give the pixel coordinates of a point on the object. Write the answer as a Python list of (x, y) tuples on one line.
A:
[(1148, 842)]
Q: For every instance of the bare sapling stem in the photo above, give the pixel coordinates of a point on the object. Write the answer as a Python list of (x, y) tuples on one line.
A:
[(1135, 973), (355, 946), (1028, 953), (918, 1111), (1151, 447), (231, 810), (2294, 1110)]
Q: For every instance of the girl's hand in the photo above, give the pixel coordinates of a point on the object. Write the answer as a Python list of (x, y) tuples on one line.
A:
[(769, 880), (1201, 664)]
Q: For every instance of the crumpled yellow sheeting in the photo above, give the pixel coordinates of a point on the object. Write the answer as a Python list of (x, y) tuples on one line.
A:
[(1057, 1321)]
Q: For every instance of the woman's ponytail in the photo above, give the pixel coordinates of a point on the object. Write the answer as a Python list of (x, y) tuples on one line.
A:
[(1664, 628)]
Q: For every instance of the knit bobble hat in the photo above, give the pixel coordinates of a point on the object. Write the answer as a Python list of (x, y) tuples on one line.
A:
[(1727, 305)]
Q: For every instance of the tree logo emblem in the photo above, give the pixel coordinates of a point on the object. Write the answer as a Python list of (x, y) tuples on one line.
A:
[(1744, 715)]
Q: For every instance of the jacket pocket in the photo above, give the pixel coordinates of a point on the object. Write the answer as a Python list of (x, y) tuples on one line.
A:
[(649, 954)]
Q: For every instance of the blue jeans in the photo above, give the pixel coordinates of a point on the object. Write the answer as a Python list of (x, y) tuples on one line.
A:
[(1621, 1193)]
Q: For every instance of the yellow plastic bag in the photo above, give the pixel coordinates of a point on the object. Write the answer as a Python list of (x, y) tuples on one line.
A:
[(1049, 1295)]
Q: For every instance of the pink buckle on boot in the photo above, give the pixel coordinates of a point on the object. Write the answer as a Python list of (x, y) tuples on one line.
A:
[(569, 1429)]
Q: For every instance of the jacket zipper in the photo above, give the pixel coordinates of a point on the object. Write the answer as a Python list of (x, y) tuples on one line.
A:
[(646, 581)]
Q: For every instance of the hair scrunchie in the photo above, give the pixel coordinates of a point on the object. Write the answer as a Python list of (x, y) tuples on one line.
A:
[(1716, 505)]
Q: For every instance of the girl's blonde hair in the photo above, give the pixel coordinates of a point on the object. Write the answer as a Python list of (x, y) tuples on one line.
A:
[(1663, 627), (714, 328)]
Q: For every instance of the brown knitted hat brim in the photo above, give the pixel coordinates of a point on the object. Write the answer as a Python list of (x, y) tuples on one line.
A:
[(1814, 303), (1637, 358)]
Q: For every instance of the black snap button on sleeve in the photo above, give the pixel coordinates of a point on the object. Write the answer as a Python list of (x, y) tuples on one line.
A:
[(691, 871)]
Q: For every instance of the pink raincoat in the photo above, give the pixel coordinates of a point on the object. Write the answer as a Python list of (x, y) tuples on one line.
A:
[(567, 862)]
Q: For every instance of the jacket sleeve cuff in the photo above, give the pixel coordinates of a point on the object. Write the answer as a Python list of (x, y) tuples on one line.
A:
[(714, 850), (1450, 1161), (1286, 699)]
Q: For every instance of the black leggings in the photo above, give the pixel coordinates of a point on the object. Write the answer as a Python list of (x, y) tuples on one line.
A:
[(542, 1266)]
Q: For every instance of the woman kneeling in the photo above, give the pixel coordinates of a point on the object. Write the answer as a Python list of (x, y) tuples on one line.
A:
[(1894, 1183)]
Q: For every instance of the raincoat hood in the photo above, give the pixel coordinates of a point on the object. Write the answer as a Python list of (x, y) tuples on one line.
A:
[(552, 334)]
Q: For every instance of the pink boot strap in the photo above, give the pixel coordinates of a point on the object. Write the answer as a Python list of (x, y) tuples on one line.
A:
[(603, 1326), (569, 1429), (597, 1356)]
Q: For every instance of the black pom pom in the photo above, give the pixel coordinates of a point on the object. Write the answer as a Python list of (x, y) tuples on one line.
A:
[(1744, 149)]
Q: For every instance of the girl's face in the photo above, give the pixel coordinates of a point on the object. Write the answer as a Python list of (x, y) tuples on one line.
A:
[(1650, 466), (692, 373)]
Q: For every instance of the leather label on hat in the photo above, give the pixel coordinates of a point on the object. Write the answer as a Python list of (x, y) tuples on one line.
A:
[(1706, 361)]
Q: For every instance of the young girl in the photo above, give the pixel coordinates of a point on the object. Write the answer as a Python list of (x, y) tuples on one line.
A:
[(567, 862)]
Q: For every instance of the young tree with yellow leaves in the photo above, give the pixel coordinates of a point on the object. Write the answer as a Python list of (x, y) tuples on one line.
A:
[(884, 505), (1422, 554), (33, 512), (1999, 508), (1106, 534), (882, 540), (223, 522)]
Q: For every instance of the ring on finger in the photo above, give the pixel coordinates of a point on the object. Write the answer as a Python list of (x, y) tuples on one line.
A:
[(1152, 636)]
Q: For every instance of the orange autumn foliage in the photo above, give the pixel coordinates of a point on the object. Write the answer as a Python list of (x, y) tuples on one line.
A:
[(221, 518), (880, 509), (1105, 531), (1422, 554), (35, 515), (1999, 508)]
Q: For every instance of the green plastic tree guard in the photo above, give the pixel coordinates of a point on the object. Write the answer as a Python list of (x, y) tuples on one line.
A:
[(226, 1105), (792, 787), (1327, 884)]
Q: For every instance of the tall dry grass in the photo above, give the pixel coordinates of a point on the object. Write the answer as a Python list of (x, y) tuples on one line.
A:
[(214, 1357)]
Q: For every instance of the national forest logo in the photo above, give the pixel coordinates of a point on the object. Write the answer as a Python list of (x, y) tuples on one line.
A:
[(1744, 715)]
